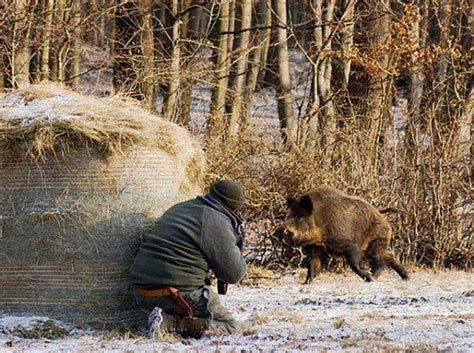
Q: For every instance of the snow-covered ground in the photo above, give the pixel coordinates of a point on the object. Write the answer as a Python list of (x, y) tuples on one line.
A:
[(431, 312)]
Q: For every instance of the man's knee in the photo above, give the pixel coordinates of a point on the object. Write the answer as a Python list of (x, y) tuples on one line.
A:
[(209, 310)]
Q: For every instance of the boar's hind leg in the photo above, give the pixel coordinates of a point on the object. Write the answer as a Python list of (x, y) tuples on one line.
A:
[(314, 263), (379, 257), (376, 258), (352, 255), (376, 266), (393, 263)]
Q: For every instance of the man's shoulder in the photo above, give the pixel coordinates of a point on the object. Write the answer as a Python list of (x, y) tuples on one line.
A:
[(213, 215), (191, 203), (192, 207)]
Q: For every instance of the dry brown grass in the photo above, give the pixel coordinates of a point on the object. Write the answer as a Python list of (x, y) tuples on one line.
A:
[(256, 275), (429, 231), (48, 117)]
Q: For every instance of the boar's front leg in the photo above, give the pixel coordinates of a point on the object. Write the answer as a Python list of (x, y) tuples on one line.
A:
[(315, 255), (352, 255)]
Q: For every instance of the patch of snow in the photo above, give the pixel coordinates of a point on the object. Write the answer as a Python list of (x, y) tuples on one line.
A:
[(10, 322), (15, 107), (337, 312)]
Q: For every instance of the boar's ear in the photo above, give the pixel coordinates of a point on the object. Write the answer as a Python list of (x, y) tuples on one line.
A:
[(290, 201), (307, 204)]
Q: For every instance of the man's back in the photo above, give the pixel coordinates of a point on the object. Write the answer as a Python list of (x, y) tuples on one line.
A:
[(170, 252), (188, 240)]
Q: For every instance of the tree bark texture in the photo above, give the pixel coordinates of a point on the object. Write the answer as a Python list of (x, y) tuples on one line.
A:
[(417, 79), (266, 13), (126, 49), (378, 97), (217, 114), (133, 51), (147, 76), (58, 45), (239, 78), (259, 56), (170, 105), (328, 119), (321, 112), (21, 53), (48, 6), (347, 40), (284, 95), (74, 73)]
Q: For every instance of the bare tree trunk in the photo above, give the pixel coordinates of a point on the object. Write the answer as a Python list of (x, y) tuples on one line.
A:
[(283, 85), (216, 118), (412, 131), (265, 12), (110, 26), (259, 58), (187, 51), (57, 47), (465, 162), (194, 27), (186, 99), (232, 20), (466, 131), (328, 119), (21, 45), (238, 83), (379, 34), (418, 37), (74, 51), (444, 12), (147, 79), (63, 46), (313, 115), (185, 19), (170, 104), (35, 11), (347, 40), (3, 75), (102, 32), (91, 33), (133, 69), (48, 7), (321, 114), (465, 138)]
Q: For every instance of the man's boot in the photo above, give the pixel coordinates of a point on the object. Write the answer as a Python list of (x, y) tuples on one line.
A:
[(160, 323)]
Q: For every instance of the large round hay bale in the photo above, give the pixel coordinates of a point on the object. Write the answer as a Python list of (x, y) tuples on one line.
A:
[(81, 178)]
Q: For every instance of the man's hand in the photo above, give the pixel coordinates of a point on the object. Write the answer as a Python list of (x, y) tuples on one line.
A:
[(222, 287), (241, 236)]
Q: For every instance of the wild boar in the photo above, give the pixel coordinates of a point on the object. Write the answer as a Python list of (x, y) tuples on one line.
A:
[(328, 221)]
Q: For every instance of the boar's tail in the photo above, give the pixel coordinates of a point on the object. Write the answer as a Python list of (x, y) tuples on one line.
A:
[(390, 210)]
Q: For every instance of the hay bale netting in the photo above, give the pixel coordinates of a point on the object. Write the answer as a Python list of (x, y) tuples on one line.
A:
[(81, 178)]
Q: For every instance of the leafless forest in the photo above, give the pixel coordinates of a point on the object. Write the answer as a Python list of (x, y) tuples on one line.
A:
[(371, 96)]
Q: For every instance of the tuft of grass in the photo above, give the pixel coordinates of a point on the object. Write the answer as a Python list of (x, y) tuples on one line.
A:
[(338, 323), (256, 275), (259, 319), (50, 118)]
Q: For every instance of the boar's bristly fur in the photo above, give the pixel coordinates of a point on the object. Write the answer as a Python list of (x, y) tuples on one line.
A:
[(328, 221)]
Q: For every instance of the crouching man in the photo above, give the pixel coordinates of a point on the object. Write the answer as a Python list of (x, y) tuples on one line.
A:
[(170, 272)]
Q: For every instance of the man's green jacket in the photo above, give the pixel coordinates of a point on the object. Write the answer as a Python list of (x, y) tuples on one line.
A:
[(191, 238)]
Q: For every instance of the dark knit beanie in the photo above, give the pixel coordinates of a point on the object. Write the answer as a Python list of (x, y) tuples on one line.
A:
[(229, 192)]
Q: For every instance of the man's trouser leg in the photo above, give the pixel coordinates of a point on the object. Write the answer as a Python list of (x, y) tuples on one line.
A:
[(208, 311)]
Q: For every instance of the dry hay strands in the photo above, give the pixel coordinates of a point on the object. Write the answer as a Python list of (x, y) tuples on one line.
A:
[(49, 118)]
